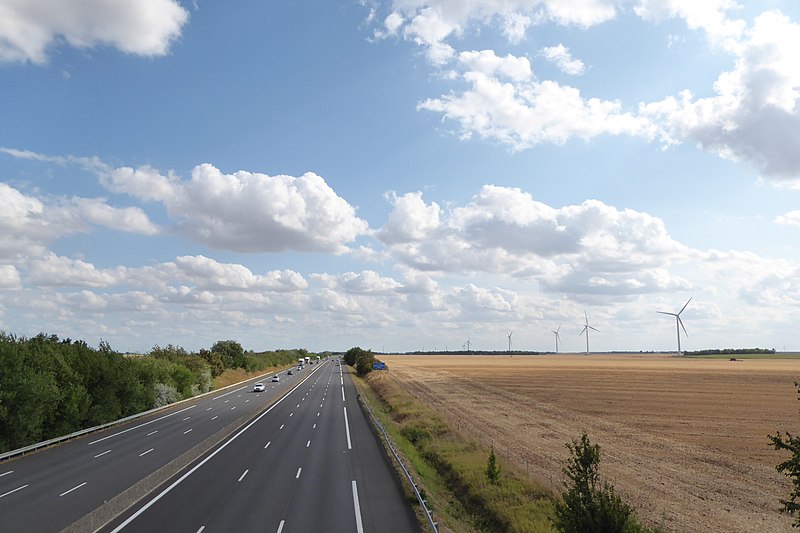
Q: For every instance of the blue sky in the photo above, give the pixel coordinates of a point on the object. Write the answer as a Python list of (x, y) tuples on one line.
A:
[(401, 175)]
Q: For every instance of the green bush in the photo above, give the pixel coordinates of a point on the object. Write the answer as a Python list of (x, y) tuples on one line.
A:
[(589, 505)]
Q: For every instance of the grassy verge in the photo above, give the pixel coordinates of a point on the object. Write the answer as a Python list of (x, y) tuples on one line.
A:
[(452, 471)]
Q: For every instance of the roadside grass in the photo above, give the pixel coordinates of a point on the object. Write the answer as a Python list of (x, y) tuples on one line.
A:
[(451, 470)]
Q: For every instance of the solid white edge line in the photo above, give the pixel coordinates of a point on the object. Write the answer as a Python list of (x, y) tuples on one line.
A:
[(141, 425), (194, 469), (12, 491), (359, 526), (347, 428), (73, 488)]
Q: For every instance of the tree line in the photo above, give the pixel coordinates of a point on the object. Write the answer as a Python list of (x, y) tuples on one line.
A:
[(51, 387)]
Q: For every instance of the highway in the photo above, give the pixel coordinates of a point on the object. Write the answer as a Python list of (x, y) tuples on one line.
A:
[(309, 462)]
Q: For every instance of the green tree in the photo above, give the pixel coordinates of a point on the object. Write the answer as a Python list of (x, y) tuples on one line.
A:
[(351, 355), (364, 361), (231, 352), (587, 504), (790, 468)]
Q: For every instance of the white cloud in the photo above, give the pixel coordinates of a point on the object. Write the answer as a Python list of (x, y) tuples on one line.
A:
[(142, 27), (792, 218), (526, 113), (560, 56), (365, 282), (9, 277), (130, 219), (430, 23), (246, 211), (754, 116), (28, 225), (587, 248), (57, 271), (709, 15), (207, 273)]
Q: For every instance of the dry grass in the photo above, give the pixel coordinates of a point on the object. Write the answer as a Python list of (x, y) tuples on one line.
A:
[(684, 440)]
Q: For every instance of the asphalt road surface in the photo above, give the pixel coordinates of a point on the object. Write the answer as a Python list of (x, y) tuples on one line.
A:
[(309, 463)]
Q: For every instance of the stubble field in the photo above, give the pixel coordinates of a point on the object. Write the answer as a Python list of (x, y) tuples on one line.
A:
[(683, 440)]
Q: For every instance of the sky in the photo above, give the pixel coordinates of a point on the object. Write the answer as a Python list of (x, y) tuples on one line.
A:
[(401, 175)]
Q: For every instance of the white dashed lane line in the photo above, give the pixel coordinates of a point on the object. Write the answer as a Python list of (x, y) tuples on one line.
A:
[(145, 453), (73, 488), (12, 491), (102, 454)]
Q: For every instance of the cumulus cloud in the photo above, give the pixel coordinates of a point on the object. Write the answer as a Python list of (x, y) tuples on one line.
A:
[(247, 211), (143, 27), (54, 270), (560, 56), (586, 248), (523, 114), (365, 282), (792, 218), (9, 277), (28, 225)]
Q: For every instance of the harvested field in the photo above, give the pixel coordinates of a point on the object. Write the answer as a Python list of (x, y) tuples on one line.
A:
[(683, 440)]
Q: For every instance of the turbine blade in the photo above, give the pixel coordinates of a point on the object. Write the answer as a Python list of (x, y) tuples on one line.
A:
[(681, 323), (666, 313), (684, 305), (558, 328), (594, 328)]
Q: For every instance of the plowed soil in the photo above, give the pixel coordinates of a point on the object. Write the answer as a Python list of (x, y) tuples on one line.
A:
[(683, 440)]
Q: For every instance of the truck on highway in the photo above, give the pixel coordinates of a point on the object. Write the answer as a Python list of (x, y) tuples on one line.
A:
[(301, 361), (308, 360)]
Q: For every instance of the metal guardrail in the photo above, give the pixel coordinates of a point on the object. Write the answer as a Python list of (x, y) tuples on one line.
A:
[(422, 502), (80, 433)]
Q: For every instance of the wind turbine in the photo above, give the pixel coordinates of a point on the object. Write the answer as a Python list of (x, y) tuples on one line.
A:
[(678, 322), (468, 344), (509, 341), (586, 329), (557, 336)]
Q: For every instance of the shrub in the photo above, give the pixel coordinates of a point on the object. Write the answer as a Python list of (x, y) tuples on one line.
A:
[(587, 503), (790, 468)]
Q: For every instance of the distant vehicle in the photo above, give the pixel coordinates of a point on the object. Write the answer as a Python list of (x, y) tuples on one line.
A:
[(289, 372), (318, 359), (259, 387), (308, 359), (301, 361), (299, 368), (276, 378)]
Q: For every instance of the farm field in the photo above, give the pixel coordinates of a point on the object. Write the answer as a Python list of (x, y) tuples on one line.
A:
[(683, 440)]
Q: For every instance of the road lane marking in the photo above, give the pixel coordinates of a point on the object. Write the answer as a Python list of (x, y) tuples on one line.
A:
[(102, 454), (6, 473), (187, 431), (145, 453), (73, 488), (281, 426), (230, 392), (210, 408), (141, 425), (196, 467), (214, 417), (267, 446), (359, 526), (232, 408), (291, 414), (280, 526), (185, 419), (347, 427), (244, 474), (226, 401), (317, 413), (343, 394), (298, 473), (246, 401), (315, 426), (151, 433), (308, 444), (12, 491), (201, 529)]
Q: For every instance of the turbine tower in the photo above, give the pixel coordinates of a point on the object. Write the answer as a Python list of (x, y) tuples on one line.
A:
[(468, 344), (509, 341), (586, 329), (557, 336), (678, 323)]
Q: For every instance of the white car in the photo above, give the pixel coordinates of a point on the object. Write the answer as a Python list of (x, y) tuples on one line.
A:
[(276, 379), (259, 387)]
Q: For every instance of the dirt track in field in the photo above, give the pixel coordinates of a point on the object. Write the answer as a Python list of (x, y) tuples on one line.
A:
[(683, 440)]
